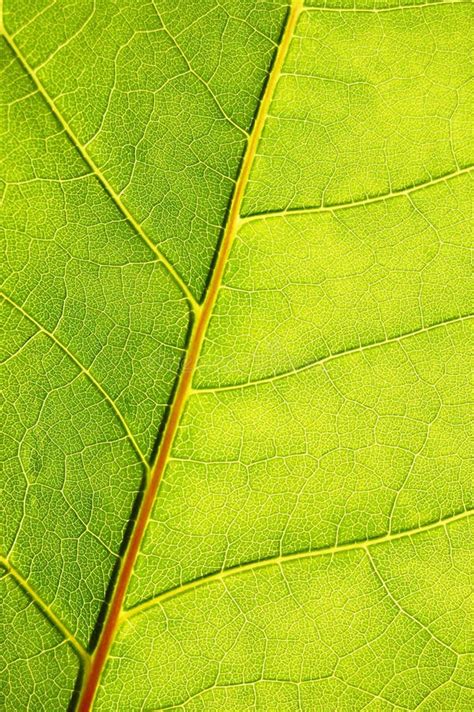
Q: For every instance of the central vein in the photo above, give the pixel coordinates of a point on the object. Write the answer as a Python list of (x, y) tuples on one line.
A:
[(93, 673)]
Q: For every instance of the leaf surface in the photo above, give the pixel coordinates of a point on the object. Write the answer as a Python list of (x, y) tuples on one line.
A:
[(236, 374)]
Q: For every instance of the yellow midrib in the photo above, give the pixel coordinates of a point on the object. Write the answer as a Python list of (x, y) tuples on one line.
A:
[(92, 679)]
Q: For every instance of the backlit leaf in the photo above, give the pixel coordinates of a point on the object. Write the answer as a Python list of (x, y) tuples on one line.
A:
[(236, 402)]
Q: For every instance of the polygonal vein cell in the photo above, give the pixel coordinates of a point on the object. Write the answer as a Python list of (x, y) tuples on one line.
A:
[(85, 394), (325, 632)]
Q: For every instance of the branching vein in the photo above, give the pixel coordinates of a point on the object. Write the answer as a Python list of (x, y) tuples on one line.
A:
[(46, 610)]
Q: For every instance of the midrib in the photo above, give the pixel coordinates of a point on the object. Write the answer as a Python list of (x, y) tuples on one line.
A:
[(203, 315)]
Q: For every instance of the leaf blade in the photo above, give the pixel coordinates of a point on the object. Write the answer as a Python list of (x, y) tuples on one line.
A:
[(344, 420)]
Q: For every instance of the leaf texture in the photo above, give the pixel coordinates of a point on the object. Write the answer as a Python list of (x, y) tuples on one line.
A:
[(237, 407)]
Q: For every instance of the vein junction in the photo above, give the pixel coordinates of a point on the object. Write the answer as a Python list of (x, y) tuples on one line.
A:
[(183, 389), (45, 608)]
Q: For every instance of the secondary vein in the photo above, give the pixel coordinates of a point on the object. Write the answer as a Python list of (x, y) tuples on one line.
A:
[(363, 544), (45, 608), (434, 3), (333, 357), (311, 210), (86, 372), (193, 303)]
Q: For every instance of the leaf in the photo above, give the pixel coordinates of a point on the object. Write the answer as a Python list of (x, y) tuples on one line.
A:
[(238, 313)]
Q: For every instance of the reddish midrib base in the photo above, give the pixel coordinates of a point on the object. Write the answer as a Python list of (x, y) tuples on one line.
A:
[(98, 661)]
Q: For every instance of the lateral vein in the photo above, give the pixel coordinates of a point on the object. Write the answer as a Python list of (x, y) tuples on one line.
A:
[(86, 372), (45, 608), (284, 558), (413, 6), (193, 303), (311, 210), (333, 357)]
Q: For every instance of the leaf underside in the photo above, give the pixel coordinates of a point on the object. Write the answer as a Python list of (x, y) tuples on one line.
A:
[(309, 545)]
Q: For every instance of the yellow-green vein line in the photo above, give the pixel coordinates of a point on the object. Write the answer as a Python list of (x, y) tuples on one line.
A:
[(193, 303), (312, 210), (285, 558), (334, 356), (52, 617), (435, 3)]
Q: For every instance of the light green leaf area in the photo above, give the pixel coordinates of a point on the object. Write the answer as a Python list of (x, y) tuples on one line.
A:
[(309, 547)]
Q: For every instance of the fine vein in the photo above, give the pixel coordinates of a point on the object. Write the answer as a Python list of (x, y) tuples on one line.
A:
[(401, 609), (91, 680), (86, 372)]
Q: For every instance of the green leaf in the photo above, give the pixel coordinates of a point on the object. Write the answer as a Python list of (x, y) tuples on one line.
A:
[(237, 304)]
